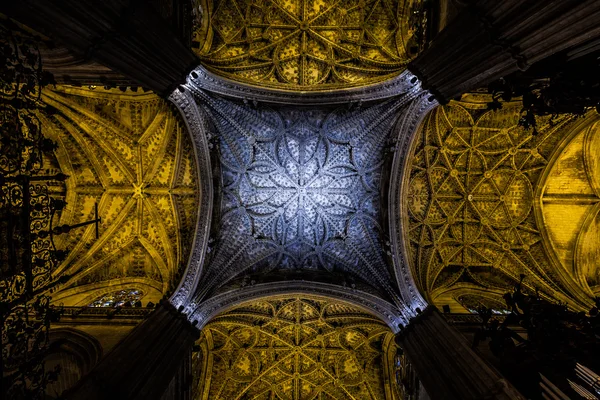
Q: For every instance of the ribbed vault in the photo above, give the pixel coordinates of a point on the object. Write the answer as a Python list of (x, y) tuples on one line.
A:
[(300, 196), (295, 348), (488, 200), (570, 206), (132, 157), (307, 44)]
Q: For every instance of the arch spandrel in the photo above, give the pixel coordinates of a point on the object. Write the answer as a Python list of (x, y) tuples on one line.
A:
[(470, 201), (295, 347), (132, 157), (307, 45)]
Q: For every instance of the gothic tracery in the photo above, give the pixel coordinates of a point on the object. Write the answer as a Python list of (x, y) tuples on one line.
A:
[(300, 191), (129, 155), (569, 206), (305, 44), (295, 348), (470, 203), (264, 211)]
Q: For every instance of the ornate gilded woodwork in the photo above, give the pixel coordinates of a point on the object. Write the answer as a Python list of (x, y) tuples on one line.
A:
[(129, 154), (295, 348), (470, 224), (570, 206), (306, 44), (300, 191)]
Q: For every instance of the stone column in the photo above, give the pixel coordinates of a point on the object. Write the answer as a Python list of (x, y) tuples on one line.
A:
[(446, 365), (180, 387), (127, 36), (144, 364), (490, 39)]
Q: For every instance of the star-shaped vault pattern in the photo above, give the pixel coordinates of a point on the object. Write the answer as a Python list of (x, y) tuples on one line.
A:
[(313, 44), (132, 157), (472, 228), (300, 190), (295, 348)]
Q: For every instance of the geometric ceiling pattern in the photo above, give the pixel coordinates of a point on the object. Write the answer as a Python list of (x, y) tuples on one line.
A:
[(129, 155), (300, 192), (295, 348), (306, 44), (571, 207), (470, 205)]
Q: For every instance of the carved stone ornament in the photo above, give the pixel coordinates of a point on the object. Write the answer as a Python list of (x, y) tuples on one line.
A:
[(197, 127), (390, 314), (296, 347), (470, 214), (300, 185), (304, 45), (402, 84), (300, 190), (406, 130), (130, 156)]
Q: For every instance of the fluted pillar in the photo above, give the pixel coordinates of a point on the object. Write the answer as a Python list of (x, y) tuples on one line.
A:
[(446, 365), (144, 364), (490, 39), (127, 36)]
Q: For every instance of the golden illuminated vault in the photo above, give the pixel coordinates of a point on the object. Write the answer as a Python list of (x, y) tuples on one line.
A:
[(130, 155), (306, 44), (295, 348), (472, 199), (570, 206)]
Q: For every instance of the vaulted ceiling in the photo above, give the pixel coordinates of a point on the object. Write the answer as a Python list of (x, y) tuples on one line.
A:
[(488, 200), (299, 198), (300, 194), (306, 44), (295, 348), (570, 206), (130, 155)]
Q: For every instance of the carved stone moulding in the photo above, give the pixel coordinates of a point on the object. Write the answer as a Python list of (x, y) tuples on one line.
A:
[(387, 312), (197, 126), (404, 84), (406, 130)]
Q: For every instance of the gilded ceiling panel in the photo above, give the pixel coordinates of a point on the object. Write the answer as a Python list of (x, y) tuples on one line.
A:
[(129, 155), (470, 205), (307, 44), (570, 207), (295, 348)]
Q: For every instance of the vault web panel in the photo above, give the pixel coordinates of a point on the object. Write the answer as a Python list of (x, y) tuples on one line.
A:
[(309, 45), (300, 189)]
